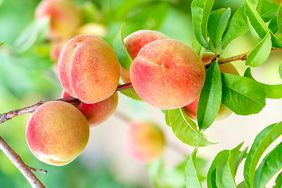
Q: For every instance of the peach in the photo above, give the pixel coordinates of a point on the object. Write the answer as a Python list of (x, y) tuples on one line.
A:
[(57, 133), (137, 40), (145, 141), (134, 42), (98, 112), (88, 69), (167, 74), (191, 109), (64, 17)]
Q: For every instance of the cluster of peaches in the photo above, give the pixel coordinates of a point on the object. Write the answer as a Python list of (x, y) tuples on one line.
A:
[(165, 73)]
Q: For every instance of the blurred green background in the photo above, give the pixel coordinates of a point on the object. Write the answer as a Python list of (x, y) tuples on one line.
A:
[(27, 76)]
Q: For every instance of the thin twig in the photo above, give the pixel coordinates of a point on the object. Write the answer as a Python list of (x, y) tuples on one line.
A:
[(29, 109), (18, 162), (241, 57)]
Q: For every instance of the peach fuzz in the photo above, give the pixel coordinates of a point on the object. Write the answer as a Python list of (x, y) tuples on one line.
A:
[(167, 74), (134, 42), (145, 141), (98, 112), (64, 17), (57, 133), (191, 109), (137, 40), (88, 69)]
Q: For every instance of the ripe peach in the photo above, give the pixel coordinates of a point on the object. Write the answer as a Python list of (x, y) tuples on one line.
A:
[(64, 17), (57, 133), (191, 109), (134, 42), (137, 40), (167, 74), (145, 141), (88, 69), (98, 112)]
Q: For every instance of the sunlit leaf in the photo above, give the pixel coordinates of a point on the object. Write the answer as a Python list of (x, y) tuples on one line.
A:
[(269, 166), (185, 129), (200, 14), (121, 51), (260, 53), (238, 26), (191, 175), (260, 144), (217, 24)]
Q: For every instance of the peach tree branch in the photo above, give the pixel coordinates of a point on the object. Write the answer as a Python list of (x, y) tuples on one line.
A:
[(29, 109), (18, 162)]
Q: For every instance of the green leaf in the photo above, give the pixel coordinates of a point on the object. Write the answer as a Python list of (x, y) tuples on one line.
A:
[(248, 73), (278, 181), (238, 26), (197, 47), (130, 92), (242, 185), (225, 171), (220, 158), (255, 19), (270, 165), (260, 53), (210, 99), (185, 129), (200, 14), (224, 166), (259, 25), (242, 95), (260, 144), (271, 91), (217, 24), (191, 175), (280, 70), (279, 18), (121, 51), (32, 34)]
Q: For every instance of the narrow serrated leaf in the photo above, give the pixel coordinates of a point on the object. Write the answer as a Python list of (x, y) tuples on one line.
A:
[(260, 144), (269, 166), (200, 13), (191, 174), (121, 52), (185, 129), (260, 53), (210, 99)]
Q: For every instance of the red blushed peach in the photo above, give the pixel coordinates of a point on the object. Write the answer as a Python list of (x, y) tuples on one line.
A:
[(134, 42), (167, 74), (145, 141), (88, 69), (191, 109), (137, 40), (57, 133), (98, 112), (64, 17)]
